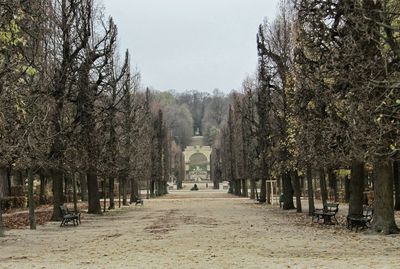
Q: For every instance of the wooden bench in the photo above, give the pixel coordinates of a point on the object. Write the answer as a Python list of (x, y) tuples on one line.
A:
[(139, 201), (327, 213), (361, 221), (68, 216)]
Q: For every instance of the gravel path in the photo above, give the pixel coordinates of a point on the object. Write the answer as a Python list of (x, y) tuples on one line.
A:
[(205, 229)]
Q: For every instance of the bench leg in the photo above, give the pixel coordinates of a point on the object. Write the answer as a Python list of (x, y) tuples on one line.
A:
[(317, 217), (327, 220)]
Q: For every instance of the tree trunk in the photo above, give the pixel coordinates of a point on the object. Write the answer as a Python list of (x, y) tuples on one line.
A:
[(279, 185), (252, 188), (263, 190), (147, 189), (396, 178), (322, 185), (137, 189), (297, 190), (124, 191), (231, 153), (93, 191), (9, 169), (3, 182), (20, 178), (75, 196), (217, 170), (310, 190), (245, 191), (86, 108), (134, 191), (42, 196), (104, 183), (287, 191), (31, 201), (239, 187), (332, 179), (83, 183), (1, 218), (269, 191), (164, 186), (346, 189), (111, 193), (383, 219), (356, 188), (152, 186), (65, 178), (58, 199), (119, 191), (231, 187)]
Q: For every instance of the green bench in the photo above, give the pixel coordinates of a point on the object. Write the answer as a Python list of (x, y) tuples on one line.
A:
[(68, 216), (361, 221), (327, 213)]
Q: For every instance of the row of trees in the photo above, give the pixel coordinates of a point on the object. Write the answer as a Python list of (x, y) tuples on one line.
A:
[(325, 97), (70, 107)]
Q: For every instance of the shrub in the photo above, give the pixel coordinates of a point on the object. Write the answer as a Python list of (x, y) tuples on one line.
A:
[(17, 191), (13, 202)]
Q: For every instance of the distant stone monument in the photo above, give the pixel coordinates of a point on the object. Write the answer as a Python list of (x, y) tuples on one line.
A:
[(197, 160)]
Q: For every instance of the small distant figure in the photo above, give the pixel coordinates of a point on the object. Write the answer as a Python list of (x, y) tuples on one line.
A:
[(281, 199), (194, 188), (206, 185)]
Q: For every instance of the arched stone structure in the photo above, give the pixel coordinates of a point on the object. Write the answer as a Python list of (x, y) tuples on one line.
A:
[(197, 161), (198, 158)]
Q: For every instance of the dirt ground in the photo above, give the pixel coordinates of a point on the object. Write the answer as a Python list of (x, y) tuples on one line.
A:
[(204, 229)]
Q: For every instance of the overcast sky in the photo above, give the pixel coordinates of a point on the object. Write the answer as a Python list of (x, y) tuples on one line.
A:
[(191, 44)]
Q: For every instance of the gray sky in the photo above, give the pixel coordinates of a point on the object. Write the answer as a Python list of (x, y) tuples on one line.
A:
[(191, 44)]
